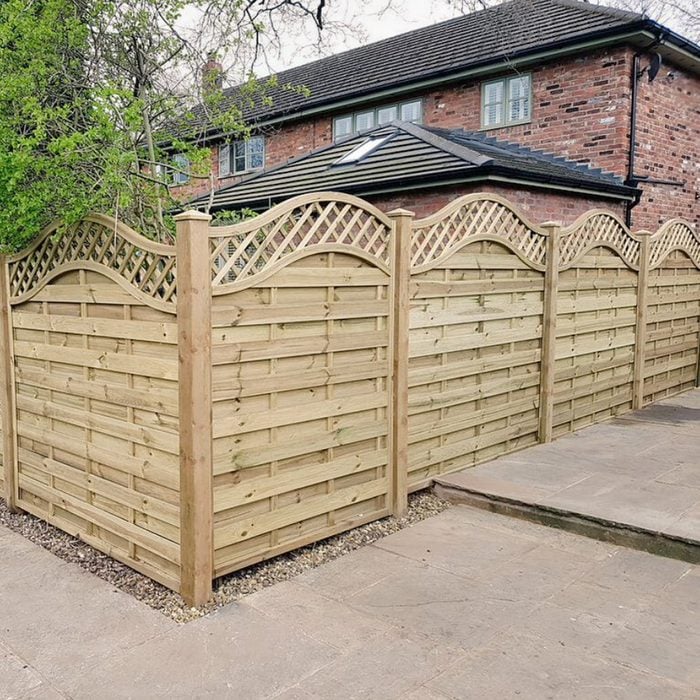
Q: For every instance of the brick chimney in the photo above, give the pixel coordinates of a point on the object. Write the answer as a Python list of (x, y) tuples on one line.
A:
[(212, 75)]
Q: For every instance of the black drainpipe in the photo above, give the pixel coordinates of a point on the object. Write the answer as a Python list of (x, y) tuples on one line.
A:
[(632, 181), (633, 138)]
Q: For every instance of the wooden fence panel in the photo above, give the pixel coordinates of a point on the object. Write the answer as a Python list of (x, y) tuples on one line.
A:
[(96, 393), (301, 388), (673, 318), (476, 304), (596, 323)]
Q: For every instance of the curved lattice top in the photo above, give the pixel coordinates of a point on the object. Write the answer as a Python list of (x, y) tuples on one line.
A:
[(674, 235), (98, 240), (301, 225), (594, 229), (472, 217)]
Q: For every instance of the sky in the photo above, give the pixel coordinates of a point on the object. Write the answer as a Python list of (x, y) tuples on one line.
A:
[(352, 23), (367, 22)]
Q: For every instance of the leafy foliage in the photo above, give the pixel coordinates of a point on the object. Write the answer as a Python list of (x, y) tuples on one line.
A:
[(91, 91)]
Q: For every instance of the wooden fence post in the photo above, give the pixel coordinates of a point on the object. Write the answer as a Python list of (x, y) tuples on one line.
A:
[(7, 401), (640, 335), (401, 276), (195, 401), (549, 331)]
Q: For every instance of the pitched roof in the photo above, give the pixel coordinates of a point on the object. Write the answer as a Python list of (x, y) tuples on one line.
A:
[(503, 32), (408, 156)]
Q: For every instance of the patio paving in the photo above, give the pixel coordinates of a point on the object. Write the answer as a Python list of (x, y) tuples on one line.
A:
[(634, 480), (467, 604)]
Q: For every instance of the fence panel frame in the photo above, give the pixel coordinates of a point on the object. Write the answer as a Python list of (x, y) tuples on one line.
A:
[(184, 281)]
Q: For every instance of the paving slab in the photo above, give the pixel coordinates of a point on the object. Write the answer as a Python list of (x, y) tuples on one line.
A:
[(467, 604), (634, 480)]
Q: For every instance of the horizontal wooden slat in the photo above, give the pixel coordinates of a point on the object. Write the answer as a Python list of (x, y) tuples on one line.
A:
[(150, 437), (230, 496), (98, 359), (165, 333), (231, 352), (122, 528), (251, 315), (240, 530), (249, 422)]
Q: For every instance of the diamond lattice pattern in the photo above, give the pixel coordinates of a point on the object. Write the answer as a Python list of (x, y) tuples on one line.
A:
[(255, 247), (677, 235), (599, 229), (482, 219), (152, 273)]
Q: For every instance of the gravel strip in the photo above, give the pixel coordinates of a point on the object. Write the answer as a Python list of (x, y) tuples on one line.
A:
[(421, 505)]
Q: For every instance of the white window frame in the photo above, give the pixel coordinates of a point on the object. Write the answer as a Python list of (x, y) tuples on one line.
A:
[(227, 157), (375, 118), (181, 162), (505, 120)]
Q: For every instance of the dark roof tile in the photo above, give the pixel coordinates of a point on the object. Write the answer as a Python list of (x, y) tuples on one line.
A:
[(412, 157), (488, 36)]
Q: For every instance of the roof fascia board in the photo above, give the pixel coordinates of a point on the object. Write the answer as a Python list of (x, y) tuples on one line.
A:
[(419, 185)]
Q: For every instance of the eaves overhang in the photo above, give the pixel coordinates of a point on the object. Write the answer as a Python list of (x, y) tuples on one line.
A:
[(645, 34), (455, 177)]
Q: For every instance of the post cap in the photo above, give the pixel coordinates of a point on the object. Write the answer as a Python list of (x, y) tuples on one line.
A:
[(551, 224), (401, 212), (192, 215)]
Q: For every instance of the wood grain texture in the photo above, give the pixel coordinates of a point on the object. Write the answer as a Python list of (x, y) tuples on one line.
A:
[(474, 359), (301, 398), (195, 403), (8, 445), (672, 327), (97, 429), (595, 339)]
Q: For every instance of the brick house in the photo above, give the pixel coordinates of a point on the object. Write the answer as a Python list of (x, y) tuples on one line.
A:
[(530, 78)]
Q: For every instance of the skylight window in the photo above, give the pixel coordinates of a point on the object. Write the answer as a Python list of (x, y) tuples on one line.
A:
[(363, 150)]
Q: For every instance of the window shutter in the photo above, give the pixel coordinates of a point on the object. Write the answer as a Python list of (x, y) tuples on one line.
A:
[(224, 160)]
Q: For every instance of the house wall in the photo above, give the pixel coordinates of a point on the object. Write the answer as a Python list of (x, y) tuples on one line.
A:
[(538, 206), (668, 138), (581, 110)]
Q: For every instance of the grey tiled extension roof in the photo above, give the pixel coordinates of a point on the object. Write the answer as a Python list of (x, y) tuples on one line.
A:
[(501, 32), (413, 157)]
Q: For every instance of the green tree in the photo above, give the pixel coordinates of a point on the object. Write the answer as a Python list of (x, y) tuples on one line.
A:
[(97, 96)]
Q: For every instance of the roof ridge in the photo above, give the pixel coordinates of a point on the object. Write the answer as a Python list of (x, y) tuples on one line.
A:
[(603, 10)]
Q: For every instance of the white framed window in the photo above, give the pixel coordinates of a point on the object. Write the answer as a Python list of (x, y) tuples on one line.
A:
[(347, 124), (342, 126), (506, 101), (181, 169), (387, 114), (242, 156), (364, 120)]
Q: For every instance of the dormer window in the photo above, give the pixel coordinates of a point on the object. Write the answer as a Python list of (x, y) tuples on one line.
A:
[(242, 156), (347, 124), (506, 101)]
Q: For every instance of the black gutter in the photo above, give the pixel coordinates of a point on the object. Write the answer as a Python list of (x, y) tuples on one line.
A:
[(619, 191)]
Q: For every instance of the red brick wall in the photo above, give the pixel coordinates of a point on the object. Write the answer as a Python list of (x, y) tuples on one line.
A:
[(581, 110), (668, 138), (538, 206)]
